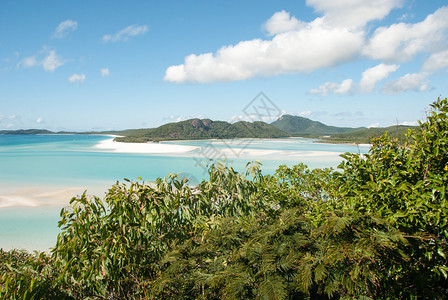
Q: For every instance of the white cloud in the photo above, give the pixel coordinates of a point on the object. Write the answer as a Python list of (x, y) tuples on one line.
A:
[(29, 62), (409, 82), (50, 62), (8, 121), (64, 28), (339, 36), (405, 16), (409, 123), (310, 48), (436, 61), (353, 12), (39, 120), (105, 72), (282, 22), (126, 33), (305, 113), (296, 46), (252, 118), (77, 78), (401, 42), (375, 125), (345, 87), (372, 75)]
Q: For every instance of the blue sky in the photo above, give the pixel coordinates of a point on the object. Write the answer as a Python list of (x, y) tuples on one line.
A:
[(102, 65)]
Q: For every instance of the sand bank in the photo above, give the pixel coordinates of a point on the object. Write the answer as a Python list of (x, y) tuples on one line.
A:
[(150, 148), (248, 153), (44, 196), (222, 150)]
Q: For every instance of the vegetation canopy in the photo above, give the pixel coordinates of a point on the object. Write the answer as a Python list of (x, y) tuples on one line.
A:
[(375, 228)]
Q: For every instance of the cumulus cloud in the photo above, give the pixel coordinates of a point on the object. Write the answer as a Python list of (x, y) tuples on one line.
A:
[(409, 123), (64, 28), (8, 121), (344, 88), (304, 50), (252, 118), (77, 78), (282, 22), (436, 61), (353, 12), (49, 62), (126, 33), (105, 72), (29, 62), (403, 41), (305, 113), (340, 35), (410, 82), (296, 46), (372, 75)]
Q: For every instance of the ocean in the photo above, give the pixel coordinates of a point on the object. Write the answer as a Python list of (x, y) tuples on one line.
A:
[(39, 174)]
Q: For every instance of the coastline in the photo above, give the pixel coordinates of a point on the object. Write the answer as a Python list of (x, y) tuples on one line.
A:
[(29, 195)]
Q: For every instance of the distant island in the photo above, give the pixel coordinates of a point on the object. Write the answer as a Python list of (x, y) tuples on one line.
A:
[(284, 126), (195, 129)]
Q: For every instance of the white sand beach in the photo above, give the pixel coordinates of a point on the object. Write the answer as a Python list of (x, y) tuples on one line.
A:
[(262, 153), (149, 148), (43, 196), (229, 152)]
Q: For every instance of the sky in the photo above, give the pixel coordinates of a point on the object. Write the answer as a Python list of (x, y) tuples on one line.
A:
[(113, 65)]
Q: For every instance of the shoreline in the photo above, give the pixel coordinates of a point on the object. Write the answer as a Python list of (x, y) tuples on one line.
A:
[(34, 195)]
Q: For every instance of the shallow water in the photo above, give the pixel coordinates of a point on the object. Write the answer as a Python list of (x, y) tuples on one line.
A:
[(40, 173)]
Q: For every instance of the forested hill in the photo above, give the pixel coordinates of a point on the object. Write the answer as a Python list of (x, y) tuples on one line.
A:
[(296, 125), (299, 126), (202, 129), (26, 131), (364, 135), (285, 126)]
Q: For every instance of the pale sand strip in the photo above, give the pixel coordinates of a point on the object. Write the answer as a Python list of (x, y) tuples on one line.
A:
[(54, 196), (266, 154), (143, 147), (231, 152)]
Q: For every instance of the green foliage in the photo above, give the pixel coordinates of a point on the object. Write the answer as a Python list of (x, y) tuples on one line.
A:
[(28, 276), (375, 228), (406, 185), (112, 247)]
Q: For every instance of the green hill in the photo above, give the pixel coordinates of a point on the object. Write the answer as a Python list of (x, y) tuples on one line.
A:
[(364, 135), (300, 126), (26, 131), (194, 129)]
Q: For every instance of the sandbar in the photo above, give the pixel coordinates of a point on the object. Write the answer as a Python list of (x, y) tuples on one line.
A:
[(22, 196), (149, 148)]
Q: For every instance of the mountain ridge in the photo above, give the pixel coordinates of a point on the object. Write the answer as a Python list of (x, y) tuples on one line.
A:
[(284, 126), (297, 125), (203, 129)]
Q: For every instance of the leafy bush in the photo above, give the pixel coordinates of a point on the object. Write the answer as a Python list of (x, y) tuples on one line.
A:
[(374, 228)]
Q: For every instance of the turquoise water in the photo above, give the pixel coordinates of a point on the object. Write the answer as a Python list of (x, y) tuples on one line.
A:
[(47, 170)]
